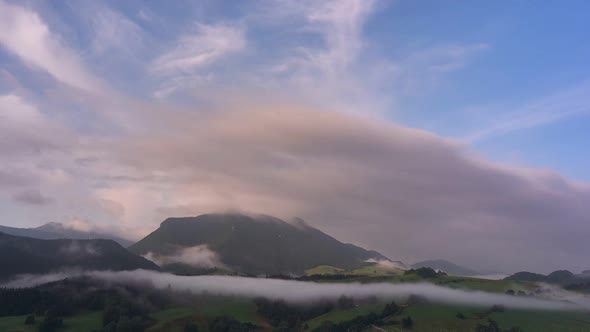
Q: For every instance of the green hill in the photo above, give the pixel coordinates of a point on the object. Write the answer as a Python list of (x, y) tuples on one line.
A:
[(256, 245), (446, 266), (22, 255)]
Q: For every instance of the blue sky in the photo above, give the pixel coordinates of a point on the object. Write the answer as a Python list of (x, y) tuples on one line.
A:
[(536, 50), (119, 114)]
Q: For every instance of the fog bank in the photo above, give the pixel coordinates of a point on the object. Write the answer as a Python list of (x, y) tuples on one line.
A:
[(299, 291)]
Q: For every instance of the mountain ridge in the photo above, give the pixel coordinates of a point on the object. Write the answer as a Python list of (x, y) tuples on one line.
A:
[(23, 255), (54, 231), (257, 244)]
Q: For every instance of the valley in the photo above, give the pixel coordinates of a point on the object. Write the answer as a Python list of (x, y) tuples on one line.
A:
[(234, 272)]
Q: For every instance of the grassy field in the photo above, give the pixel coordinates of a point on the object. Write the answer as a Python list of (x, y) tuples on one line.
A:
[(435, 317), (369, 270), (494, 286), (241, 310), (174, 319), (438, 317), (376, 270), (341, 315), (323, 269), (83, 322), (171, 319), (548, 321), (14, 324)]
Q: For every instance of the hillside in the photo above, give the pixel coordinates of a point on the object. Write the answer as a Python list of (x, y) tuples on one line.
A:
[(22, 255), (53, 231), (561, 277), (446, 266), (257, 245)]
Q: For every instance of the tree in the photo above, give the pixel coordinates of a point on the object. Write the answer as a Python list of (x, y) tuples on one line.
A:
[(345, 302), (30, 320), (110, 314), (491, 327), (326, 326), (390, 309), (407, 322), (227, 324), (191, 327), (498, 308), (50, 324)]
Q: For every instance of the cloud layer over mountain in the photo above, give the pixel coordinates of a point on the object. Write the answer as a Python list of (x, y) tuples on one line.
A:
[(295, 131)]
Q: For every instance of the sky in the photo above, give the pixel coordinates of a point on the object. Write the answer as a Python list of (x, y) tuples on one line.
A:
[(421, 129)]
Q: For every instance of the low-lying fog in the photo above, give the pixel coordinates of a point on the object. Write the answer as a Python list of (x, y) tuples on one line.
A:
[(299, 291)]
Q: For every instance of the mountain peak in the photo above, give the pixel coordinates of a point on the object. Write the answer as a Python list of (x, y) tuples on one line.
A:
[(51, 226), (258, 244)]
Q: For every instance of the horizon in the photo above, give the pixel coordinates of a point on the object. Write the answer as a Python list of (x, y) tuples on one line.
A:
[(439, 131)]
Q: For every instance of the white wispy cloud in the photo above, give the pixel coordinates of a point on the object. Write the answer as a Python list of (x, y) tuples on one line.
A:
[(24, 34), (553, 108), (340, 23), (328, 71), (116, 34), (24, 129), (194, 52), (207, 45), (452, 57)]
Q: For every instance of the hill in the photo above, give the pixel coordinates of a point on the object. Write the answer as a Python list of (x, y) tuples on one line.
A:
[(247, 244), (527, 276), (564, 278), (53, 230), (22, 255), (446, 266)]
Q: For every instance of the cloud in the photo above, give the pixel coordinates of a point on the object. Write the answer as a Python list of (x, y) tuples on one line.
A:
[(569, 103), (452, 57), (424, 68), (341, 24), (24, 33), (387, 263), (24, 129), (33, 197), (405, 192), (197, 256), (329, 72), (75, 248), (14, 178), (115, 34), (80, 225), (306, 292), (208, 44), (194, 52)]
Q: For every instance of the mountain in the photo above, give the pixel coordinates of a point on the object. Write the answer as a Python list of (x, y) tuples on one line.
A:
[(447, 267), (248, 244), (563, 277), (527, 276), (560, 276), (23, 255), (28, 232), (53, 230)]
